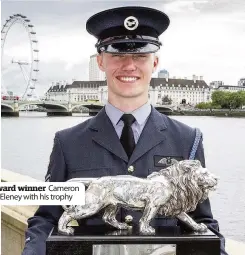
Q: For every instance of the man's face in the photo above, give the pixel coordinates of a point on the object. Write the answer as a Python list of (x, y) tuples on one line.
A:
[(128, 75)]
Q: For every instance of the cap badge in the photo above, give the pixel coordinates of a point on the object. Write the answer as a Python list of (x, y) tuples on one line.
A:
[(131, 23)]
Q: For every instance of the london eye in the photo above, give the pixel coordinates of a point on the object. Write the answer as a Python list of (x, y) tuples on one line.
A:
[(29, 68)]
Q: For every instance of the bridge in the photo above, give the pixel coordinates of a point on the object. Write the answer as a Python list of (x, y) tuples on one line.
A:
[(60, 108)]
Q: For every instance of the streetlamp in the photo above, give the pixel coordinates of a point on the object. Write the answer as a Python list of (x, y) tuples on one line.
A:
[(69, 96), (101, 95)]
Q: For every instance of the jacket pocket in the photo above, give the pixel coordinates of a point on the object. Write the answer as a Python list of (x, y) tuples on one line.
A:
[(166, 161)]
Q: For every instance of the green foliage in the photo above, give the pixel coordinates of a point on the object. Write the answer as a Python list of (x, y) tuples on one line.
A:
[(228, 100), (216, 106), (203, 105), (208, 105)]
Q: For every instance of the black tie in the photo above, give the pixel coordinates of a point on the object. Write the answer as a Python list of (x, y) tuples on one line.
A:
[(127, 137)]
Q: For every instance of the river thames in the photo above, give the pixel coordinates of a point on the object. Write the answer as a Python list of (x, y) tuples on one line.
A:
[(27, 142)]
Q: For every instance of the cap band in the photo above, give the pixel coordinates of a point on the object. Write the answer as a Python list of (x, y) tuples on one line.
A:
[(129, 48), (129, 44)]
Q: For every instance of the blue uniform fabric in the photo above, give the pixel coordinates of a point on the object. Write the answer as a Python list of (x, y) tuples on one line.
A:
[(93, 149)]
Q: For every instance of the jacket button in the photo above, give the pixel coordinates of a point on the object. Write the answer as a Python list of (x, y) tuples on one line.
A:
[(130, 169), (129, 218)]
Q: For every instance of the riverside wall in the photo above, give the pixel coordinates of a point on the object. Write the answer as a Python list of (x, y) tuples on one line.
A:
[(213, 112)]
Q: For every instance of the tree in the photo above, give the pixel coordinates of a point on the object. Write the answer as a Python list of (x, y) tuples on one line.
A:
[(228, 100), (242, 95), (217, 97), (201, 105), (235, 100), (166, 100), (208, 105), (221, 98)]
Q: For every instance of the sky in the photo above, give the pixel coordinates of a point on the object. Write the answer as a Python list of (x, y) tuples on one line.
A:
[(205, 38)]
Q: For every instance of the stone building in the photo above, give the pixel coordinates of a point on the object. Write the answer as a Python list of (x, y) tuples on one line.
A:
[(231, 88), (95, 74), (178, 90), (80, 91), (241, 82)]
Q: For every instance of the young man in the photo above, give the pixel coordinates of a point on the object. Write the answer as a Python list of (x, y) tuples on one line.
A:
[(128, 136)]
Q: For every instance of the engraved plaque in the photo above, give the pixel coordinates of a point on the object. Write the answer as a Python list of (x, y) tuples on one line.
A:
[(135, 249)]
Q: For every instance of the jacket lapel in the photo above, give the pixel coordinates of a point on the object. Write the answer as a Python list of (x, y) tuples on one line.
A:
[(152, 135), (105, 135)]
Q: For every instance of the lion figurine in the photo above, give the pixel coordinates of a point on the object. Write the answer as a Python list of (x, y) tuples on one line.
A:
[(173, 191)]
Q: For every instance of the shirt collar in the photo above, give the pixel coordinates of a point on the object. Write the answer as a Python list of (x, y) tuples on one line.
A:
[(140, 114)]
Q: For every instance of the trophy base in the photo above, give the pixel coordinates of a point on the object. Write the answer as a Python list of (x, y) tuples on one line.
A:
[(103, 240)]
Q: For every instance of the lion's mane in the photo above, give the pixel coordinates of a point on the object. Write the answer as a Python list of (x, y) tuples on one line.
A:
[(186, 193)]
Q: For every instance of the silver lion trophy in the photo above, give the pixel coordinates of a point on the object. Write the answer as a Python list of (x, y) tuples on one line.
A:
[(172, 192)]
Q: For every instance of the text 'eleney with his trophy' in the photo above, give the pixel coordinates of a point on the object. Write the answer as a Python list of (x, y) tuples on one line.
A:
[(173, 192)]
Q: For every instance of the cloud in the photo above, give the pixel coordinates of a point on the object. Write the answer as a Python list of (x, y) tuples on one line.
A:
[(208, 44), (181, 6), (204, 6)]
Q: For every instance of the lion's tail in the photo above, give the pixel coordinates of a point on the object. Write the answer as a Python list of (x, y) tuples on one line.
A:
[(86, 182), (68, 208)]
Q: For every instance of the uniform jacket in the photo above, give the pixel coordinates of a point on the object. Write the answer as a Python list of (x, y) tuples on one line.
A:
[(93, 149)]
